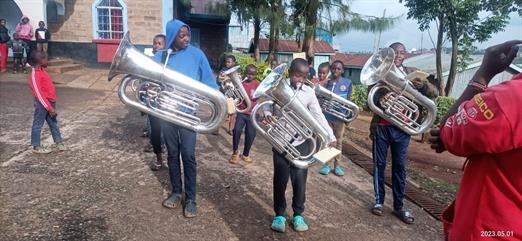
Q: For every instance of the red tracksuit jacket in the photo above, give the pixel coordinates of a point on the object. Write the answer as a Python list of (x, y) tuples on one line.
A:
[(42, 87), (488, 130)]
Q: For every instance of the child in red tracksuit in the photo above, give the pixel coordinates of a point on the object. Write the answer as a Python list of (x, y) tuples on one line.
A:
[(44, 104), (243, 120), (485, 126)]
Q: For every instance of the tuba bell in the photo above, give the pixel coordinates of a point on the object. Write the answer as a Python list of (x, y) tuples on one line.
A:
[(335, 105), (398, 101), (295, 123), (166, 93), (234, 89)]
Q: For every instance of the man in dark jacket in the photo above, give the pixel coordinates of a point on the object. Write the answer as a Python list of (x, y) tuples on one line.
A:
[(4, 38)]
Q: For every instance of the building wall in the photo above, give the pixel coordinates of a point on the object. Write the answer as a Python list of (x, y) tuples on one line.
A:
[(462, 79), (352, 73), (211, 38), (76, 23), (144, 21)]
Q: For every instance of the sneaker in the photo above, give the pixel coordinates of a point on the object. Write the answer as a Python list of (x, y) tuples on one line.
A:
[(234, 159), (299, 224), (173, 201), (325, 170), (41, 150), (60, 147), (279, 224), (246, 159), (338, 171), (190, 209)]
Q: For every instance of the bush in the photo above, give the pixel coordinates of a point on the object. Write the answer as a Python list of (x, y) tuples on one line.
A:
[(243, 60), (360, 96), (443, 105)]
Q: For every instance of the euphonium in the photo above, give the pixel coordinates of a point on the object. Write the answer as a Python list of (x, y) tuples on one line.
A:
[(399, 101), (295, 123), (233, 88), (335, 105), (169, 95)]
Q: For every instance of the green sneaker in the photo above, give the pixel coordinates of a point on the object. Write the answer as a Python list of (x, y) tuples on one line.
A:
[(279, 224), (338, 171), (299, 224), (60, 146), (325, 170), (41, 150)]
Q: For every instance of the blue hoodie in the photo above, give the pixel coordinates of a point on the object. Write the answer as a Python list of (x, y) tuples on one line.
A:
[(189, 61)]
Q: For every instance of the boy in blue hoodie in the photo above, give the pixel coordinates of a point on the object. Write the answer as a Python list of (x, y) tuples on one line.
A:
[(180, 56)]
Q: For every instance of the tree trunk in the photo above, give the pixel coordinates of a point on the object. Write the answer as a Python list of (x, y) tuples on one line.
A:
[(274, 29), (312, 10), (454, 51), (257, 30), (438, 54)]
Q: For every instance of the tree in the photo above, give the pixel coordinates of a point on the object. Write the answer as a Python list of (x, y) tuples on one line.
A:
[(459, 20), (308, 15), (276, 16), (251, 11)]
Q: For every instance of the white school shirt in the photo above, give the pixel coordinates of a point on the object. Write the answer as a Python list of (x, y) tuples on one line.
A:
[(306, 95)]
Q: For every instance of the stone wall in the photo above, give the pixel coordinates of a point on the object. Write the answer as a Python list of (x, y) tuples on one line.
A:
[(144, 21)]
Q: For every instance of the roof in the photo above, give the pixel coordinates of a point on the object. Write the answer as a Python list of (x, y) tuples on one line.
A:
[(357, 60), (427, 62), (354, 60), (292, 46)]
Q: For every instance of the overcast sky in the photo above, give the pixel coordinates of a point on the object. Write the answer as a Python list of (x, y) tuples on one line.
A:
[(405, 30)]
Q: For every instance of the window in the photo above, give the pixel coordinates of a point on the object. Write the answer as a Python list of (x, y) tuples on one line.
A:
[(109, 19)]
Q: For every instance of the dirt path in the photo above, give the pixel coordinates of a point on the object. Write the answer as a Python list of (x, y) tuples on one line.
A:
[(102, 188)]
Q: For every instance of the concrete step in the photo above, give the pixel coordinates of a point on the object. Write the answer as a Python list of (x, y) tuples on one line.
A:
[(54, 62), (63, 68)]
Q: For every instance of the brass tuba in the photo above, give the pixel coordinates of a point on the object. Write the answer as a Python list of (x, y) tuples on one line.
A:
[(295, 123), (335, 105), (167, 94), (233, 88), (399, 101)]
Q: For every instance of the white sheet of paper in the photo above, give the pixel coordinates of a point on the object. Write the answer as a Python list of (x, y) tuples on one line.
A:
[(41, 34), (326, 154)]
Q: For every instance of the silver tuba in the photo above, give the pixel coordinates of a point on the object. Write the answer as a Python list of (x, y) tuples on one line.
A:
[(399, 101), (335, 105), (168, 94), (233, 88), (295, 123)]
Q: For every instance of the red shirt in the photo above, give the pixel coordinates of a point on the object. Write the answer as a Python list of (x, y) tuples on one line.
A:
[(250, 88), (488, 130), (315, 80), (42, 87)]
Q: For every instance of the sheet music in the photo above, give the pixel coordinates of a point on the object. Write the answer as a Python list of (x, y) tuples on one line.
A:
[(41, 34)]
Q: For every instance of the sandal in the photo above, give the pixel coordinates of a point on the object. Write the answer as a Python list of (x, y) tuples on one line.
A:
[(405, 216), (377, 209)]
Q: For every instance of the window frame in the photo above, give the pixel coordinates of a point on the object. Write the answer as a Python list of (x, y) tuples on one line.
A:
[(95, 30)]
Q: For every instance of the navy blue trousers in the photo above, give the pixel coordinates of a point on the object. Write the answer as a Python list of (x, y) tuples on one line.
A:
[(39, 118), (182, 141), (243, 121), (390, 136)]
